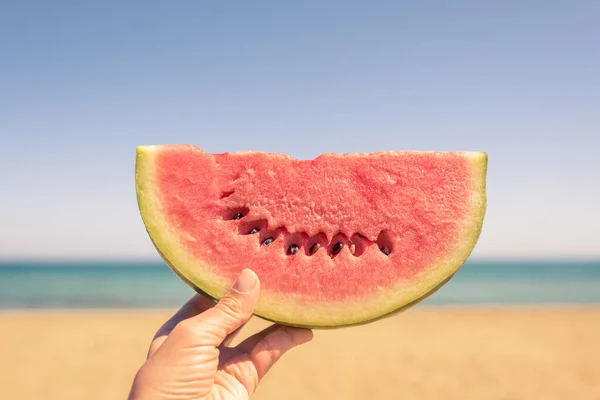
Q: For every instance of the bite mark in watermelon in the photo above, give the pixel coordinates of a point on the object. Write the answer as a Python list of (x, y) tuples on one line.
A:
[(339, 240)]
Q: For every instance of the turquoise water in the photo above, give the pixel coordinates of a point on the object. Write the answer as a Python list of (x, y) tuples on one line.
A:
[(32, 285)]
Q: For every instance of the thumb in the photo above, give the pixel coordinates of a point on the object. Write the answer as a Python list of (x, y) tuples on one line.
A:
[(231, 312)]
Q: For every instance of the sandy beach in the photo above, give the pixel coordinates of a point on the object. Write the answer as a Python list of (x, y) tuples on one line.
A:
[(421, 354)]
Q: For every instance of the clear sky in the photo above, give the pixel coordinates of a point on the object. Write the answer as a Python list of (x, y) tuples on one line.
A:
[(82, 84)]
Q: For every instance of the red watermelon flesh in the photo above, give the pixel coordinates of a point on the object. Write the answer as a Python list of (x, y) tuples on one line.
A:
[(342, 239)]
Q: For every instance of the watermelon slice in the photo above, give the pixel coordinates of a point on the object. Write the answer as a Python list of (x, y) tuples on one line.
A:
[(339, 240)]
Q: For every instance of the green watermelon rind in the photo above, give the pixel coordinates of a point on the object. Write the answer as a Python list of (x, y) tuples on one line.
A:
[(323, 327), (280, 310)]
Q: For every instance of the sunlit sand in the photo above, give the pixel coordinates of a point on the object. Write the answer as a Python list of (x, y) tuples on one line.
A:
[(476, 353)]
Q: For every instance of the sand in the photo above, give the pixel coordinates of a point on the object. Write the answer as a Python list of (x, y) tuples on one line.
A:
[(421, 354)]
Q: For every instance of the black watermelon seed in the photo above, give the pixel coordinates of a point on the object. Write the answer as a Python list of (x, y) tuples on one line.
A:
[(253, 231), (268, 241), (313, 249), (238, 216), (337, 248), (385, 251), (293, 249)]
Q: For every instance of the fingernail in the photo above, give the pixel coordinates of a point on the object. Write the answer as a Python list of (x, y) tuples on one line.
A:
[(245, 282)]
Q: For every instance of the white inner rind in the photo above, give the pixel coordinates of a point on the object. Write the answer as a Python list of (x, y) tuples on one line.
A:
[(289, 309)]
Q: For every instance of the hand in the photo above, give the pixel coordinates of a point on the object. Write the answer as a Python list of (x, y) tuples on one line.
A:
[(189, 357)]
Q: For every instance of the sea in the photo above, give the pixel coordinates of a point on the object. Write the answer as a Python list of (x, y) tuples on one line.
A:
[(147, 285)]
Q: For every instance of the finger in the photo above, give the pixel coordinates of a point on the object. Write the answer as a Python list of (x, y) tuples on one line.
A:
[(245, 347), (227, 341), (194, 306), (211, 327), (254, 357), (275, 344), (250, 342)]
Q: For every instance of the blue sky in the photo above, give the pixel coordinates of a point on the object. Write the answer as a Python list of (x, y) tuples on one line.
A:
[(82, 84)]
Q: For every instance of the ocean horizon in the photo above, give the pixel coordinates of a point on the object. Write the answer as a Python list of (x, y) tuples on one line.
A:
[(79, 284)]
